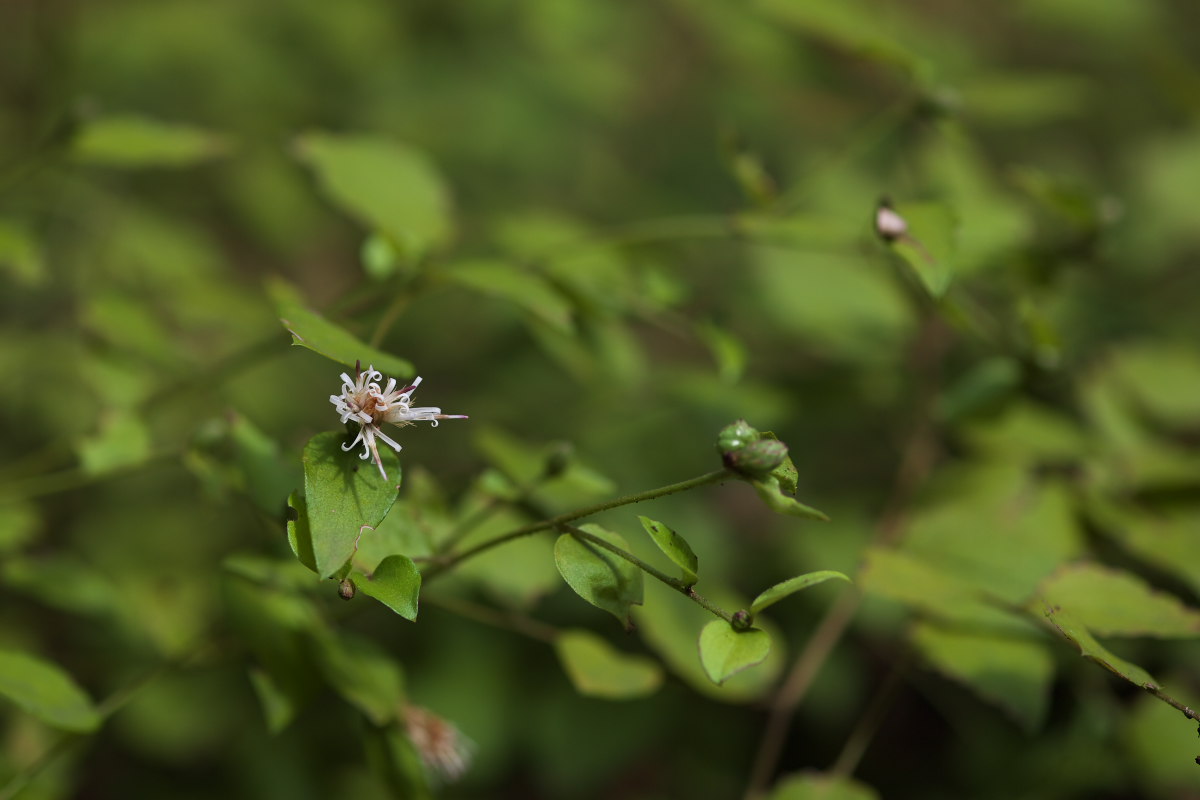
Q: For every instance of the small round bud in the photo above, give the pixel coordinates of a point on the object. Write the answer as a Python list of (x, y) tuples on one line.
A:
[(757, 459), (557, 460), (736, 436), (741, 620), (346, 589)]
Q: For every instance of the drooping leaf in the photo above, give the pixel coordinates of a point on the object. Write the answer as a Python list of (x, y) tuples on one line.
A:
[(47, 692), (815, 786), (673, 546), (396, 583), (277, 706), (363, 674), (131, 141), (1076, 633), (725, 652), (521, 287), (309, 329), (907, 579), (600, 576), (791, 586), (770, 490), (928, 249), (1116, 603), (385, 185), (346, 498), (121, 442), (597, 669), (1012, 672)]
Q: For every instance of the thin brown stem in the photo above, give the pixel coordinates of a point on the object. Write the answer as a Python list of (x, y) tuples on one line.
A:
[(440, 565)]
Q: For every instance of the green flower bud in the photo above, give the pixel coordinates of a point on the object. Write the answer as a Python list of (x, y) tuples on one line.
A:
[(736, 436), (757, 459)]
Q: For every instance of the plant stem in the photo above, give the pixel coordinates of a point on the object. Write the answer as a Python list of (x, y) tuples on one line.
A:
[(439, 566), (678, 584), (868, 725)]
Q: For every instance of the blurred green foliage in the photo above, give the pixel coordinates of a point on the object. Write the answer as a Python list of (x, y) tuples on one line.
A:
[(604, 231)]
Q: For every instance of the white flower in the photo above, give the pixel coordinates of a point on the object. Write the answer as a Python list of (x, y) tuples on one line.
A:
[(363, 401), (442, 748)]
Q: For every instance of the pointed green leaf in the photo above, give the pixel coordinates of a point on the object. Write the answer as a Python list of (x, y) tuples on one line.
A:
[(814, 786), (277, 706), (45, 691), (1075, 632), (396, 583), (771, 491), (791, 586), (1011, 672), (673, 546), (131, 141), (309, 329), (385, 185), (346, 497), (600, 576), (363, 674), (1116, 603), (523, 288), (597, 669), (725, 652), (928, 249)]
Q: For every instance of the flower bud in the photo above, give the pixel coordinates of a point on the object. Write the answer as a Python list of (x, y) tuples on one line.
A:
[(757, 459), (736, 436)]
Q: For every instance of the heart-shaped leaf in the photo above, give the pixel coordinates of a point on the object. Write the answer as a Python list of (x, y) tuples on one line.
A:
[(725, 652), (396, 583), (597, 669)]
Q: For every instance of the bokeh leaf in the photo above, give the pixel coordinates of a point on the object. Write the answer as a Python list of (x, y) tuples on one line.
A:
[(345, 497), (724, 652), (385, 185), (597, 669), (132, 141), (44, 690), (1112, 602), (814, 786), (1012, 672), (363, 674)]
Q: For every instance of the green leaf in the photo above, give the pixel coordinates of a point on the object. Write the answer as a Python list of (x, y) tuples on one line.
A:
[(600, 576), (48, 693), (309, 329), (522, 288), (278, 707), (363, 674), (122, 441), (791, 586), (673, 546), (20, 256), (1011, 672), (770, 490), (396, 583), (299, 534), (597, 669), (1076, 633), (813, 786), (346, 497), (928, 249), (1116, 603), (728, 352), (19, 523), (131, 141), (907, 579), (385, 185), (725, 652)]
